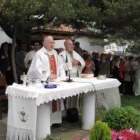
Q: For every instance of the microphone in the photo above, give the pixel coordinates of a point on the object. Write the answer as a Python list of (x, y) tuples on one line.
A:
[(69, 79)]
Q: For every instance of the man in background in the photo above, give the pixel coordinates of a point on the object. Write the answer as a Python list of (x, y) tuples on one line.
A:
[(29, 56), (78, 49), (20, 66)]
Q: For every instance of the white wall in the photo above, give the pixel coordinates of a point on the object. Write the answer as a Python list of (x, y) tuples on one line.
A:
[(4, 37), (59, 44), (84, 43)]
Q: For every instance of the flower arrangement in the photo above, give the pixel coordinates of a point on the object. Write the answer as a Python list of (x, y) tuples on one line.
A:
[(126, 134)]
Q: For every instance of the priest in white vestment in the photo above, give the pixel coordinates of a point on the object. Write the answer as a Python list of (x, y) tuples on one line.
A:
[(47, 60), (74, 64)]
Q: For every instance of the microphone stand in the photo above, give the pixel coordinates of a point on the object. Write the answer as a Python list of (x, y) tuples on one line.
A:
[(69, 79)]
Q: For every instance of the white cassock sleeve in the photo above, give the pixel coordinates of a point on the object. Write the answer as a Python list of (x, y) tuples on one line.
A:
[(82, 62), (37, 67), (61, 67)]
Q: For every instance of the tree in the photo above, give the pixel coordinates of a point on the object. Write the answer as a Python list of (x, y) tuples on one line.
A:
[(122, 18), (110, 19), (134, 47), (121, 21), (19, 16), (1, 4), (15, 21)]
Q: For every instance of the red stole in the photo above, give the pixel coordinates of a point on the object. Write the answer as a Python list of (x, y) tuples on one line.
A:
[(53, 70)]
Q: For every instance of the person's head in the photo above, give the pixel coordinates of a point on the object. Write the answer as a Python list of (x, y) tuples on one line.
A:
[(4, 47), (37, 45), (69, 45), (126, 58), (117, 58), (85, 52), (112, 54), (138, 58), (113, 63), (87, 57), (122, 60), (131, 58), (60, 50), (77, 44), (97, 56), (106, 55), (48, 43), (103, 57), (23, 47)]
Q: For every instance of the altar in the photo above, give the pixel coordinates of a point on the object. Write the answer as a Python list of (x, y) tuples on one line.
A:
[(29, 107)]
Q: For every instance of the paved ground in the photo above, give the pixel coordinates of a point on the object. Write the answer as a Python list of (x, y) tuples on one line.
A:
[(66, 131)]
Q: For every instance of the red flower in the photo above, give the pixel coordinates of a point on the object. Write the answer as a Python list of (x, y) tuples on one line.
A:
[(125, 135)]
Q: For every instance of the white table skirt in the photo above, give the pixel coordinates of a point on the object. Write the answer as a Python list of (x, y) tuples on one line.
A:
[(42, 97), (108, 98)]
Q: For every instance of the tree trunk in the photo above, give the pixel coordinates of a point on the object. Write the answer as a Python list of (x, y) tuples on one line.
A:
[(13, 55)]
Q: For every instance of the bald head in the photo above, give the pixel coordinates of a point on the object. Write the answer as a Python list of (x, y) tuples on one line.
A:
[(69, 45), (112, 53), (48, 43)]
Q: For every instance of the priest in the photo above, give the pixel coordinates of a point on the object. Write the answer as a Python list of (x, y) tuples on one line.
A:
[(73, 64), (47, 65)]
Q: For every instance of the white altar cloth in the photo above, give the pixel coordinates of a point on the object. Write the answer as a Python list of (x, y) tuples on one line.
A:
[(42, 98), (63, 90)]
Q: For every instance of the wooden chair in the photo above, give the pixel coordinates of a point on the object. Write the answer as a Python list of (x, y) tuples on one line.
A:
[(3, 96)]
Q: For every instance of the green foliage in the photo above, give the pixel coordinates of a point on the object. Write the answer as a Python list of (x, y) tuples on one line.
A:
[(1, 4), (76, 13), (20, 12), (97, 41), (110, 19), (27, 14), (100, 131), (122, 21), (122, 118), (49, 137), (123, 17), (134, 47)]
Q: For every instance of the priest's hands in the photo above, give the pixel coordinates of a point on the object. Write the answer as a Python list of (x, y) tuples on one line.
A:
[(52, 77), (75, 62)]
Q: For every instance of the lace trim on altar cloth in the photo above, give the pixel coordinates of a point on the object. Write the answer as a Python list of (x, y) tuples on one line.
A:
[(19, 134)]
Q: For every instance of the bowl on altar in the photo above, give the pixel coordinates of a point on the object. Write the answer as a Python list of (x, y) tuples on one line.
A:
[(86, 75), (101, 77), (50, 86)]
